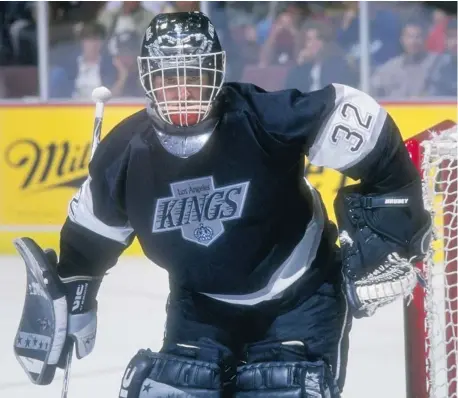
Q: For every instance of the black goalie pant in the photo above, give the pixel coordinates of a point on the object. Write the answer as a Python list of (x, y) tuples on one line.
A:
[(253, 334)]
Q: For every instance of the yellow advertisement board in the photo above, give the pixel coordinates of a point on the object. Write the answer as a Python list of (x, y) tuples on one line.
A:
[(45, 153)]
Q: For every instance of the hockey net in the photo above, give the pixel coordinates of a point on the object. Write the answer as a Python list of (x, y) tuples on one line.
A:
[(431, 319)]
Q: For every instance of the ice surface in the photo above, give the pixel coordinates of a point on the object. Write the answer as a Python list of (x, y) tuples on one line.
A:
[(132, 316)]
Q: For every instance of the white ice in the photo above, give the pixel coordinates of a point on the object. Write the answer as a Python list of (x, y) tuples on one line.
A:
[(132, 316)]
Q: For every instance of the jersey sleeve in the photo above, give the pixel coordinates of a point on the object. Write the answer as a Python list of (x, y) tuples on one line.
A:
[(97, 229), (357, 137)]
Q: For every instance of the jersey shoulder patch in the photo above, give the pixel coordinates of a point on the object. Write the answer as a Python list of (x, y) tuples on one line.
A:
[(349, 131)]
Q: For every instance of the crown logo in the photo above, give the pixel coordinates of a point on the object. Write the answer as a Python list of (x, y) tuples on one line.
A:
[(203, 233)]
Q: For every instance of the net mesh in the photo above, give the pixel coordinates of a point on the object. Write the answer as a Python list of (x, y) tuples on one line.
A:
[(440, 171)]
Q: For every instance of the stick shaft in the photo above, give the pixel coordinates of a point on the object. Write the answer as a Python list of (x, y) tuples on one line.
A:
[(97, 131), (96, 136), (68, 365)]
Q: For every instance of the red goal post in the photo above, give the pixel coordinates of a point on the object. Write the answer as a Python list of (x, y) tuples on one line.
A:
[(431, 318)]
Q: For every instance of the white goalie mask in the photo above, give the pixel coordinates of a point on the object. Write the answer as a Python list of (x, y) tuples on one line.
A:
[(182, 67)]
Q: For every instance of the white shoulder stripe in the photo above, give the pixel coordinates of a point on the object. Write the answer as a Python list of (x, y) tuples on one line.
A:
[(81, 212), (350, 132)]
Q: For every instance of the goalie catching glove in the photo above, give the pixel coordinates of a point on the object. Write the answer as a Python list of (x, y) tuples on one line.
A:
[(57, 313), (381, 236)]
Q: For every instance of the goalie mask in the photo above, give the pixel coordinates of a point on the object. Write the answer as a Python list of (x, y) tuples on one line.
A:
[(182, 67)]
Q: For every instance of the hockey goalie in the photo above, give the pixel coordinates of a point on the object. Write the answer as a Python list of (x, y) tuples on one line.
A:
[(209, 179)]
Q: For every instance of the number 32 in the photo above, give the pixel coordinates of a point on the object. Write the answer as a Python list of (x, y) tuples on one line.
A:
[(342, 131)]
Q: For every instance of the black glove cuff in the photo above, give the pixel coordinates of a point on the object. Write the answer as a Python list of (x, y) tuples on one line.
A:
[(81, 293)]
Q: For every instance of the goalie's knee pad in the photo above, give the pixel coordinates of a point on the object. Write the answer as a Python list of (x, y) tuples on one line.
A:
[(159, 375), (286, 380)]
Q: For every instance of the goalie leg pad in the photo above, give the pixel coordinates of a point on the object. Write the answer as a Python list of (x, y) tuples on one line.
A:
[(159, 375), (286, 380)]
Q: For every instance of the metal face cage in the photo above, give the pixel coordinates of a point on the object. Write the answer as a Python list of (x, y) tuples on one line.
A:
[(204, 72)]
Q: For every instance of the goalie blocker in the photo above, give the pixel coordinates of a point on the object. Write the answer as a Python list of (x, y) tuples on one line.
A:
[(57, 312), (381, 236)]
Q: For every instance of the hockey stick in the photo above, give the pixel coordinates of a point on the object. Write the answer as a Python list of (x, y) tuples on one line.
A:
[(100, 96)]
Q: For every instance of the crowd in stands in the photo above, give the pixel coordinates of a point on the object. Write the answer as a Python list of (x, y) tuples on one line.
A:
[(276, 45)]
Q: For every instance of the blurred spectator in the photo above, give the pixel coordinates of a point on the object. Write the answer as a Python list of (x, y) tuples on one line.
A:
[(21, 18), (282, 44), (182, 6), (154, 7), (125, 16), (246, 40), (320, 62), (263, 26), (78, 73), (6, 50), (443, 78), (248, 13), (217, 11), (67, 18), (405, 76), (127, 49), (436, 38), (247, 25), (384, 26), (413, 11)]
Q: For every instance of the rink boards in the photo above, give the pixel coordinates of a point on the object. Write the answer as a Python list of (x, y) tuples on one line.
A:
[(44, 154)]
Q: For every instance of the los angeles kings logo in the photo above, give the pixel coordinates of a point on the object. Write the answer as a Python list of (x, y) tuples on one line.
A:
[(199, 209)]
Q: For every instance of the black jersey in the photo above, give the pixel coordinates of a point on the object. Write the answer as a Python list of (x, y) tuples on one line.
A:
[(236, 221)]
